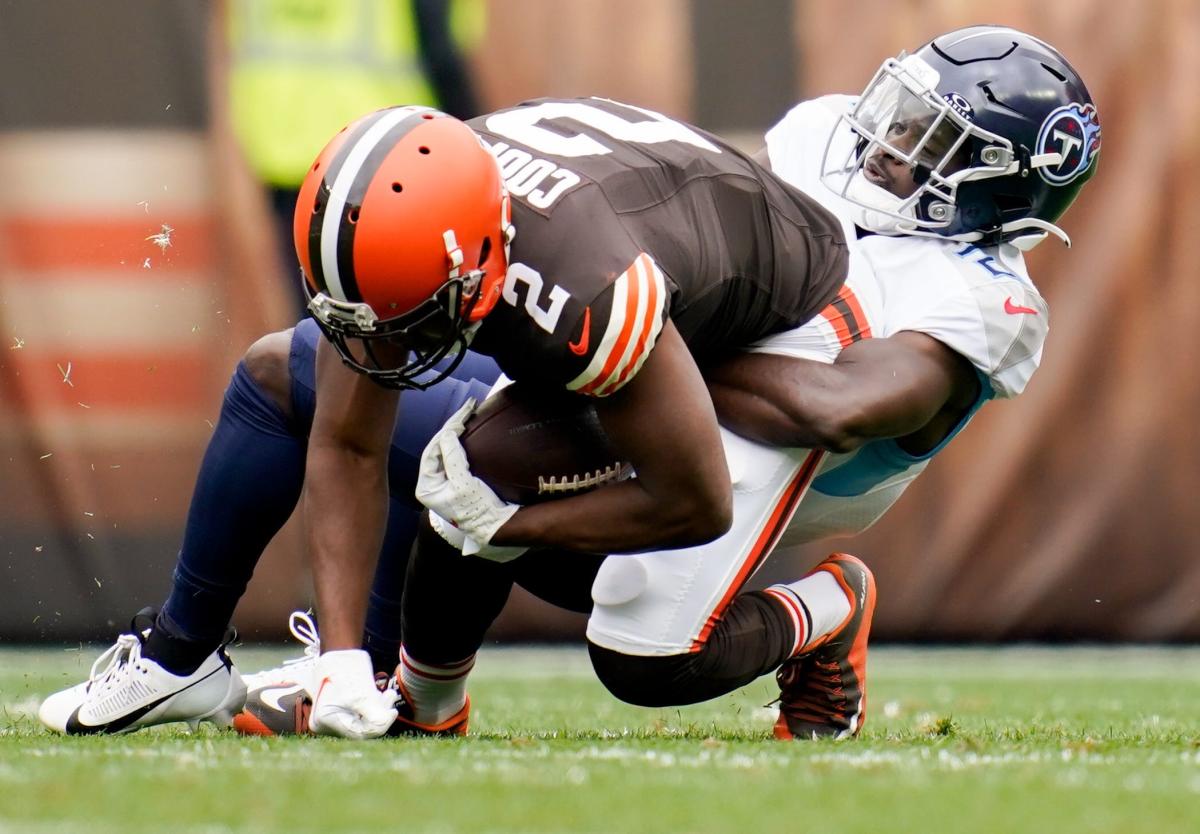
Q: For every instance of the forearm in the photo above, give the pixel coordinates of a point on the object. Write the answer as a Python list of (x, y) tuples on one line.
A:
[(662, 423), (782, 402), (876, 388), (620, 518), (345, 511)]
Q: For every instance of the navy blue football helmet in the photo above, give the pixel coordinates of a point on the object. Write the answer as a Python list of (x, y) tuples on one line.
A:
[(998, 129)]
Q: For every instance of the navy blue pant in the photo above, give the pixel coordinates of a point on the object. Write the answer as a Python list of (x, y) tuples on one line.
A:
[(251, 478)]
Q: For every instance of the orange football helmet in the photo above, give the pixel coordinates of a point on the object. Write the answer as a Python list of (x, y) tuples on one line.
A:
[(402, 228)]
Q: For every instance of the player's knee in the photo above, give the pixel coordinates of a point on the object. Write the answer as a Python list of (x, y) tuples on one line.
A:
[(651, 681), (267, 363)]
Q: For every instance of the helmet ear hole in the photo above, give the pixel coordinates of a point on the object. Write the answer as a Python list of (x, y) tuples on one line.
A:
[(424, 150), (485, 249)]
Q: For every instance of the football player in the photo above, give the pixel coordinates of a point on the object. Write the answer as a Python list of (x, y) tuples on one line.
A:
[(951, 163), (585, 245)]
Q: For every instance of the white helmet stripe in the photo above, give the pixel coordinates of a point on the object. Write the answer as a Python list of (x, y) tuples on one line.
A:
[(343, 181)]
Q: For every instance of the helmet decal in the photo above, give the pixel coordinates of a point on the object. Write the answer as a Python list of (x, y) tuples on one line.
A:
[(1072, 130), (960, 105)]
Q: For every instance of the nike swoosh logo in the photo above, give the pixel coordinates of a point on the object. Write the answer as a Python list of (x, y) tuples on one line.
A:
[(75, 727), (580, 348), (320, 689), (272, 694), (1014, 309)]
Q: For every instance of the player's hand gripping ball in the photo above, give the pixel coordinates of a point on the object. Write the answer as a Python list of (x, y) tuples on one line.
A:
[(532, 445)]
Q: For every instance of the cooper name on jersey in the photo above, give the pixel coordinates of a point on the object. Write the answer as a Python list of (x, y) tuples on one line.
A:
[(540, 181)]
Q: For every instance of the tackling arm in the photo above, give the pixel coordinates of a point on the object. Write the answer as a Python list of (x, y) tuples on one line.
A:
[(345, 493), (908, 386), (662, 421)]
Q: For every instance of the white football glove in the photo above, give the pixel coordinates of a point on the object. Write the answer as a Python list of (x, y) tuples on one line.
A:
[(446, 486), (468, 546), (347, 703)]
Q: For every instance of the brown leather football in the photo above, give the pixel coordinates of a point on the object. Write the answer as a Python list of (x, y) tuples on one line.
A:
[(532, 445)]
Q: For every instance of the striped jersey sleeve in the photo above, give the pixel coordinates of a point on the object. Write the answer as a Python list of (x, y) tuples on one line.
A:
[(845, 315), (845, 320), (620, 329)]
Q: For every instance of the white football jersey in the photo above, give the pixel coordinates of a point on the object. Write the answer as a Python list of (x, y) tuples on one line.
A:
[(979, 301)]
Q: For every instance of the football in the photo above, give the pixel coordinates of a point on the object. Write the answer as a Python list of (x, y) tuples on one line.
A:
[(531, 445)]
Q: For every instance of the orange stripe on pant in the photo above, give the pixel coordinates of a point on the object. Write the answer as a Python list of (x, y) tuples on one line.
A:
[(767, 538)]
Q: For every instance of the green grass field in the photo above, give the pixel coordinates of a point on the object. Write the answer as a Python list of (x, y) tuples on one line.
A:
[(1010, 740)]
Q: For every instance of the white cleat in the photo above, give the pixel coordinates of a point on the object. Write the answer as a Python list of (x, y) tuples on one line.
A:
[(126, 692)]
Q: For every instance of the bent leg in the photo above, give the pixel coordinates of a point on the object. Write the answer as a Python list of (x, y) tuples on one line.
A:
[(753, 637), (674, 627), (247, 487)]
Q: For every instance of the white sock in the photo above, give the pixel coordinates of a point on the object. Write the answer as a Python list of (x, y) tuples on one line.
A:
[(435, 693), (817, 603)]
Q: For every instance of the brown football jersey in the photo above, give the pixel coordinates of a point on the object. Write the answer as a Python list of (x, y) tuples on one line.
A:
[(625, 218)]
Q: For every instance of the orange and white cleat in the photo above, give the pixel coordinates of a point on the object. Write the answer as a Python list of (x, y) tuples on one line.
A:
[(278, 700), (823, 692), (407, 725), (455, 725)]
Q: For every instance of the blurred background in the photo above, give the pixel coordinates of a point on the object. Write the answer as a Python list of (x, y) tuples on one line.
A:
[(144, 169)]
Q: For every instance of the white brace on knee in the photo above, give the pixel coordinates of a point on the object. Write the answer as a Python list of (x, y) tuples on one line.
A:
[(619, 580)]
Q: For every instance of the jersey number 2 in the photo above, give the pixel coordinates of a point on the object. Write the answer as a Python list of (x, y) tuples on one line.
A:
[(545, 318)]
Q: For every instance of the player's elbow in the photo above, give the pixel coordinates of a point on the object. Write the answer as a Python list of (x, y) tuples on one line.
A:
[(837, 430), (838, 436), (701, 516)]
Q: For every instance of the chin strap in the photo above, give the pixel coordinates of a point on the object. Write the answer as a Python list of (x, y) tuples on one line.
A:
[(1032, 232)]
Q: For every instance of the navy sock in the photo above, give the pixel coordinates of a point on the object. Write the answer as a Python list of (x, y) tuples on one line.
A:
[(381, 637), (249, 483)]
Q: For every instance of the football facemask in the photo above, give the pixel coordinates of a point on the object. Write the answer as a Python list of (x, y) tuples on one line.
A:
[(402, 352), (901, 116)]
